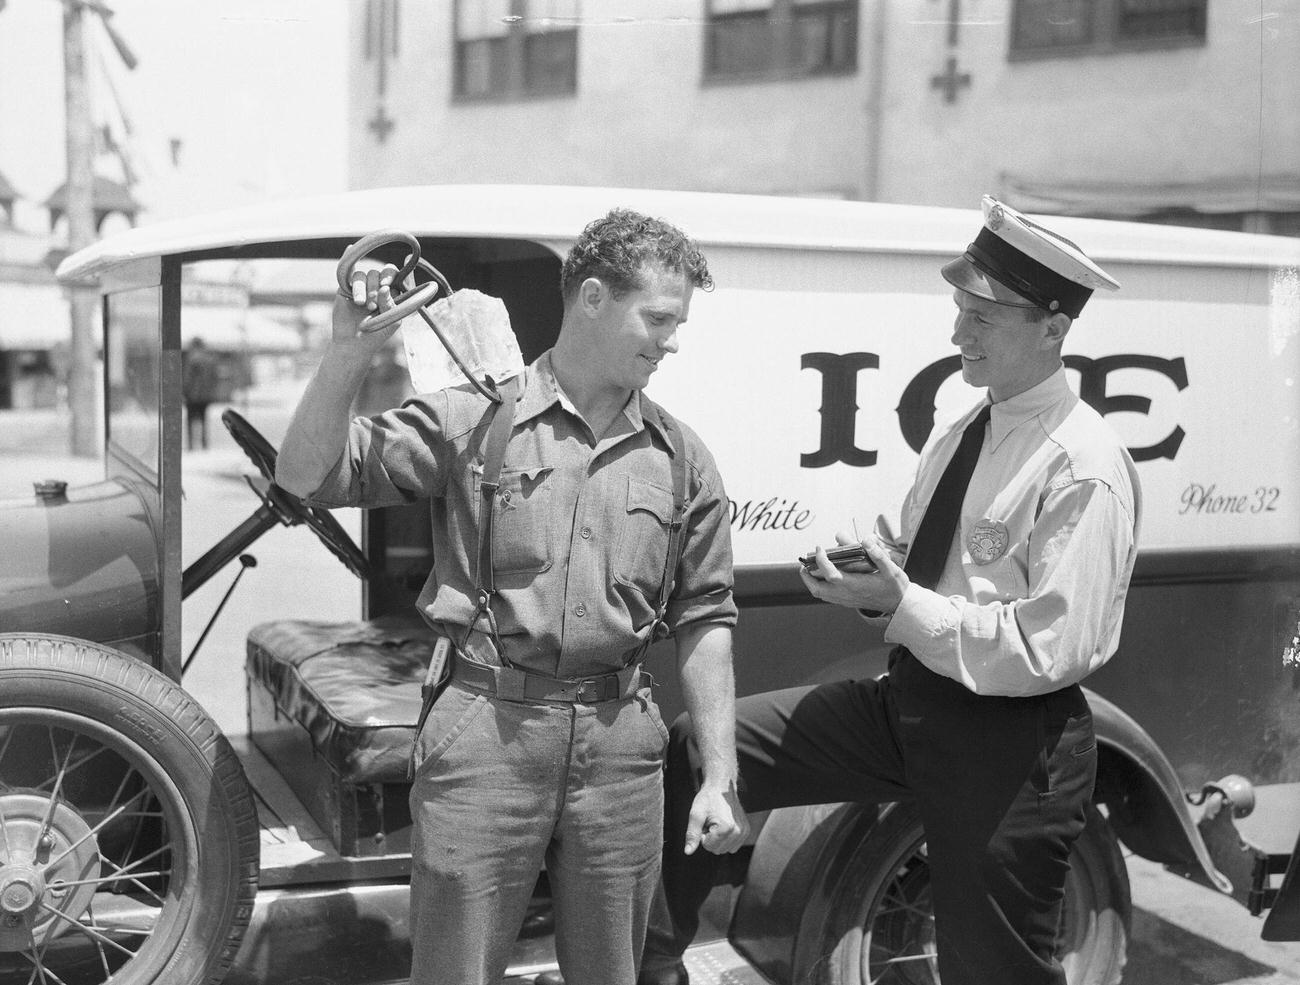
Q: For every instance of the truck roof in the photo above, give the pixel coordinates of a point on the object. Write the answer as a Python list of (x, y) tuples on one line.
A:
[(556, 214)]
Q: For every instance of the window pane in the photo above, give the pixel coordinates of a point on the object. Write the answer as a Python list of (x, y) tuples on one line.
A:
[(132, 356), (482, 19), (740, 44), (825, 39), (1052, 23), (1161, 19), (551, 61), (481, 67)]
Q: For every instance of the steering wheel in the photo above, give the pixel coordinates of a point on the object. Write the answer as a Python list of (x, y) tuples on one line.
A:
[(289, 509), (404, 303)]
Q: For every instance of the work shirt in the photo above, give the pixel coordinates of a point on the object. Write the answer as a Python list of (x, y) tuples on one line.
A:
[(580, 529), (1032, 594)]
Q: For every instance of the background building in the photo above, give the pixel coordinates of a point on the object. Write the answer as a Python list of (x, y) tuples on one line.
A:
[(33, 353), (34, 311), (1169, 110), (176, 128)]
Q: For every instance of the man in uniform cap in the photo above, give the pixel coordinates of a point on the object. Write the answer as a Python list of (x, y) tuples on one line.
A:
[(1005, 589)]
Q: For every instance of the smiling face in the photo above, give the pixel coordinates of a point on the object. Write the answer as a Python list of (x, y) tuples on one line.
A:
[(632, 334), (1005, 348)]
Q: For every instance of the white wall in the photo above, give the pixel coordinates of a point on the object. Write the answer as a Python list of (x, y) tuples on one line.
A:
[(640, 116), (1228, 109), (1224, 111)]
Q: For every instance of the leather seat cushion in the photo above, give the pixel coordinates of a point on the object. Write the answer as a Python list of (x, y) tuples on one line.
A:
[(354, 687)]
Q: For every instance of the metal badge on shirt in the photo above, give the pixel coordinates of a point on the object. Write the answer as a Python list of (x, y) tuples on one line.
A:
[(988, 541)]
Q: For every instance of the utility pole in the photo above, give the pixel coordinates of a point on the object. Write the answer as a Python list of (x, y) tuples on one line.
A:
[(80, 212)]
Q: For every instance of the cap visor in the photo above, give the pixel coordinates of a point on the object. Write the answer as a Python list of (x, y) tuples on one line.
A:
[(965, 276)]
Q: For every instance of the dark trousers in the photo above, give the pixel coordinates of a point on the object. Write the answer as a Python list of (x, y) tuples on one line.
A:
[(1000, 783), (196, 416)]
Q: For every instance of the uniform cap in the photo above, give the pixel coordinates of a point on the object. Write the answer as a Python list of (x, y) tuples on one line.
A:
[(1017, 262)]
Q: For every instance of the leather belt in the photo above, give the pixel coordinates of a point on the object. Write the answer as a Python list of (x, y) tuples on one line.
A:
[(512, 684)]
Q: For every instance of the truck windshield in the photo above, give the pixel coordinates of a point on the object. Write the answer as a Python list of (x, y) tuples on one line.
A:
[(131, 375)]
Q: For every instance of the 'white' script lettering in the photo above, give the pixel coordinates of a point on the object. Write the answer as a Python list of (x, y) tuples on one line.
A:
[(768, 514)]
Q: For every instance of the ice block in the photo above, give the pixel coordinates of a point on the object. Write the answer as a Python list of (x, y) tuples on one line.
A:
[(477, 325)]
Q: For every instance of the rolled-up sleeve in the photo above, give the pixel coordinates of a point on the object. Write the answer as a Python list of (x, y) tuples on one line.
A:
[(703, 592), (396, 457), (1080, 557)]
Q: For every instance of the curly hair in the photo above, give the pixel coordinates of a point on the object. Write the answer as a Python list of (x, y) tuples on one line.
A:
[(617, 247)]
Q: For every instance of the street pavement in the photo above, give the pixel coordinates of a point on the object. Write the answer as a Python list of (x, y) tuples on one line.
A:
[(1183, 934)]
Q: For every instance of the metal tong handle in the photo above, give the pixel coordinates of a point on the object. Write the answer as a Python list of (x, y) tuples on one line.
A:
[(404, 303), (415, 299)]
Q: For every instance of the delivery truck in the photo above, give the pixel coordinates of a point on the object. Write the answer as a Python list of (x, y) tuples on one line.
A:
[(144, 844)]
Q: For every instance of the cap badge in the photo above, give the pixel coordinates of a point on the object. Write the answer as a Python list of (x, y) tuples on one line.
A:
[(996, 217), (988, 541)]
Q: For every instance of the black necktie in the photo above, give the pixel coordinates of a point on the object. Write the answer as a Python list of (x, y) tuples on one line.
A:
[(933, 538)]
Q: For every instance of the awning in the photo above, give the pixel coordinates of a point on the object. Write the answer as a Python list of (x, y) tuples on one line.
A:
[(293, 281), (36, 316), (33, 316), (228, 329), (1132, 199)]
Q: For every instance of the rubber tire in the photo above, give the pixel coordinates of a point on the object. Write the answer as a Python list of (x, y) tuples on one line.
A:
[(156, 719), (1096, 921)]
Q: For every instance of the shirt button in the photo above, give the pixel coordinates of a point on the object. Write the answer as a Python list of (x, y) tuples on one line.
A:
[(580, 609), (586, 533)]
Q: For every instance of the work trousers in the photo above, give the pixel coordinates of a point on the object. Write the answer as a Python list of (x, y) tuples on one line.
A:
[(502, 787), (1001, 785)]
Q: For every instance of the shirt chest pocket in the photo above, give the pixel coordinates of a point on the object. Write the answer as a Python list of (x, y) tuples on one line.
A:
[(643, 536), (521, 519)]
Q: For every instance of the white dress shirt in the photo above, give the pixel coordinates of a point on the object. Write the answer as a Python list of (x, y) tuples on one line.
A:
[(1032, 595)]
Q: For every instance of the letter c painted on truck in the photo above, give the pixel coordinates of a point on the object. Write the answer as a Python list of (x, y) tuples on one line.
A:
[(916, 407), (839, 405), (1092, 388)]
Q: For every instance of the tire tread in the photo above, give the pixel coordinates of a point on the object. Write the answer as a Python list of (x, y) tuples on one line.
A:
[(63, 660)]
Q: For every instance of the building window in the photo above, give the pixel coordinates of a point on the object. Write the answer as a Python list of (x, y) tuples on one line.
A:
[(1052, 27), (508, 49), (755, 39)]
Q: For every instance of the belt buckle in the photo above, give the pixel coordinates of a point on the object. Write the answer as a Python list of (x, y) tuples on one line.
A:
[(589, 691)]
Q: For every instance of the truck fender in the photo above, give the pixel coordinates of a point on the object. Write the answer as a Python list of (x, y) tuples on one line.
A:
[(1145, 801), (787, 880)]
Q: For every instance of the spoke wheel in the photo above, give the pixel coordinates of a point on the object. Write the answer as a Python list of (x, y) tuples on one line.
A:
[(881, 926), (51, 861), (900, 943), (128, 835)]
